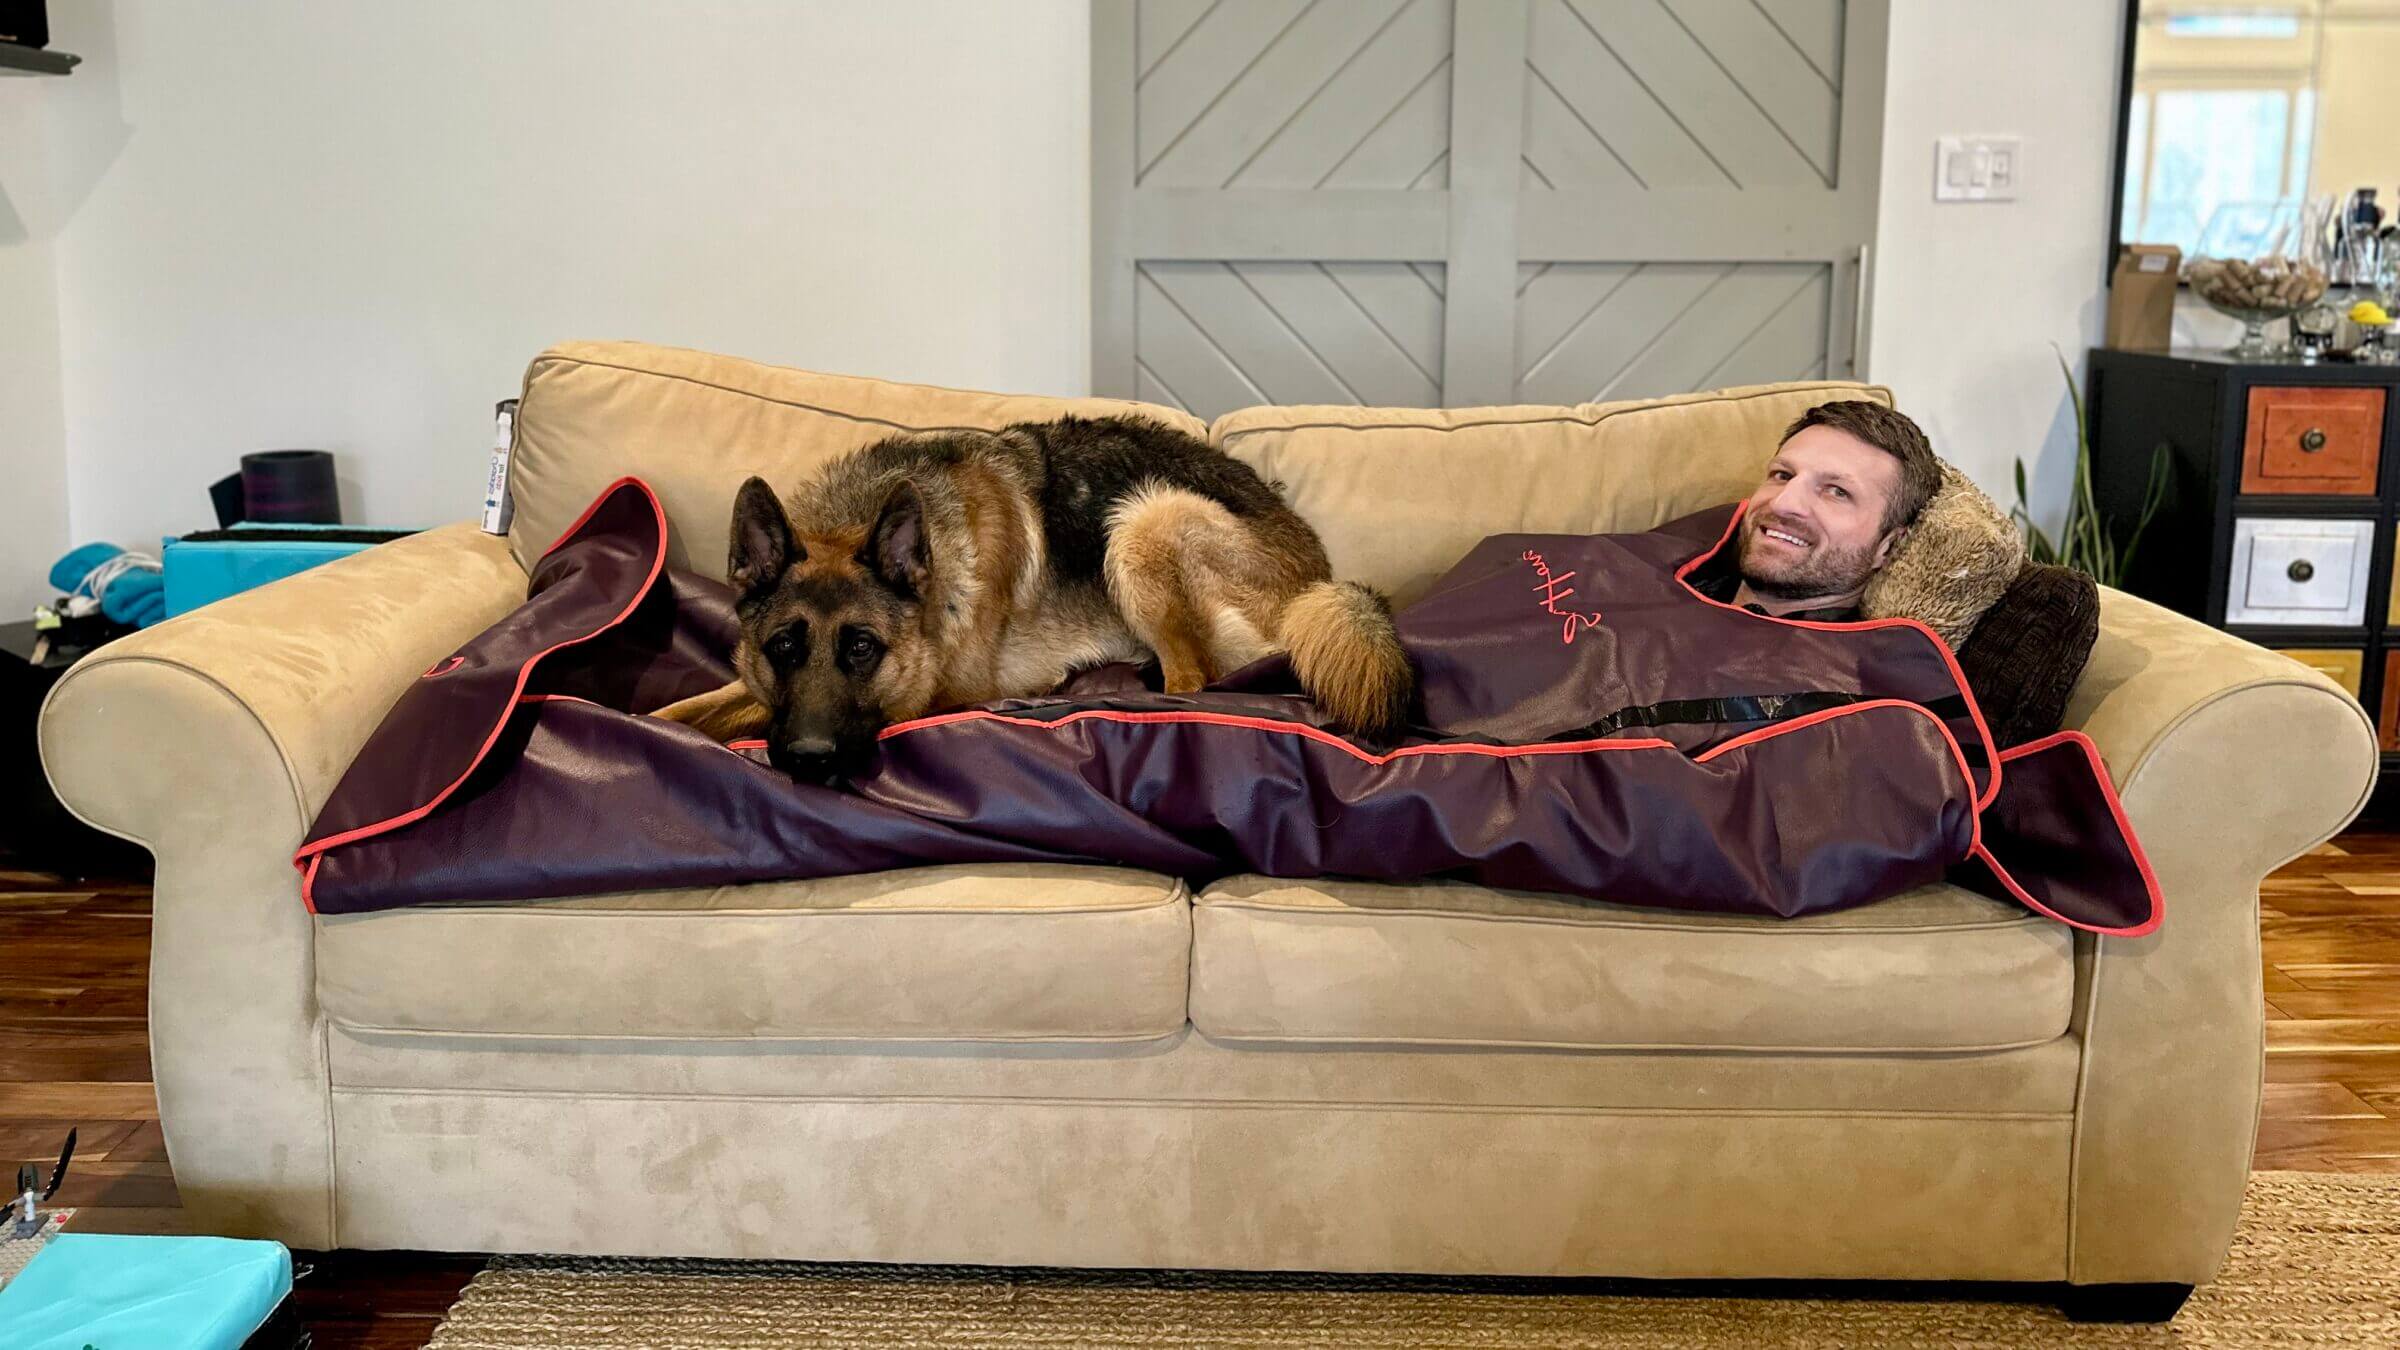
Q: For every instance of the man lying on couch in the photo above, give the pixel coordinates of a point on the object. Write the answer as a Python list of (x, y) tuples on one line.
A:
[(1839, 497)]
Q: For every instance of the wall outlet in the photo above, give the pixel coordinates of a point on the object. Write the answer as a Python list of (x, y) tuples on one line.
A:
[(1978, 168)]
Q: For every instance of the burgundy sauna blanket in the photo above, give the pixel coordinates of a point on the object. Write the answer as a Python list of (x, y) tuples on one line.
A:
[(1589, 724)]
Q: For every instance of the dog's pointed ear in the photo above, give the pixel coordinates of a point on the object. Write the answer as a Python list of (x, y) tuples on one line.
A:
[(896, 547), (762, 539)]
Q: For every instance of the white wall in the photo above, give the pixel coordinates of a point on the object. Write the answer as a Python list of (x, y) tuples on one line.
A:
[(33, 489), (349, 225), (1970, 295)]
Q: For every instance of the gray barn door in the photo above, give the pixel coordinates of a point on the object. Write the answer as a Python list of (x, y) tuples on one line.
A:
[(1456, 202)]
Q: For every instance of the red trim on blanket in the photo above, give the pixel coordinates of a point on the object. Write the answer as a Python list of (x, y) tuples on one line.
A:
[(658, 562), (1268, 724), (1958, 754), (308, 883), (1991, 751), (2116, 811)]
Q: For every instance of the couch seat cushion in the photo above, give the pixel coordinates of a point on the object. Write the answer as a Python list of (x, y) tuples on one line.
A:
[(1451, 963), (1005, 952)]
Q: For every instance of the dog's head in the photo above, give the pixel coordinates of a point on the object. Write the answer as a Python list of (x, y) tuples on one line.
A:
[(832, 642)]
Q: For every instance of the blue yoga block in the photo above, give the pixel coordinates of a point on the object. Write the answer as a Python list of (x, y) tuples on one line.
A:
[(174, 1293), (201, 570)]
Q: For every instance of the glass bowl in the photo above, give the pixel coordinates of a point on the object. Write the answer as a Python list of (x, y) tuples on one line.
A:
[(2256, 291)]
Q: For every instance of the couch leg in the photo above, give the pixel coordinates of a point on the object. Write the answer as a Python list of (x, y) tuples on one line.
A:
[(2123, 1302)]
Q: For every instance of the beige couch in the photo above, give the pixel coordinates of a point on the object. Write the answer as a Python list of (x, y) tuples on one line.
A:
[(1096, 1066)]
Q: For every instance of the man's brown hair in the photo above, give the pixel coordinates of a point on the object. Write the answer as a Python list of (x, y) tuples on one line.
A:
[(1890, 431)]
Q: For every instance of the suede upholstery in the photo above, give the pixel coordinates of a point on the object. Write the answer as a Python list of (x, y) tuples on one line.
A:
[(831, 1071), (695, 425), (1002, 953), (1400, 494), (1451, 963)]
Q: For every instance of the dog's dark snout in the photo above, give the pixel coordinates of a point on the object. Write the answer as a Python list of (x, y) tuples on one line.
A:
[(812, 759)]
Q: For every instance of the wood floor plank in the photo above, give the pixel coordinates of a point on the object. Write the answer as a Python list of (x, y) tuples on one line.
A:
[(2315, 1101), (39, 1140), (2353, 1034), (2333, 905), (165, 1221), (78, 1101), (2329, 1145), (2355, 1001), (2340, 975), (2359, 1071), (123, 1185), (146, 1144), (115, 1052)]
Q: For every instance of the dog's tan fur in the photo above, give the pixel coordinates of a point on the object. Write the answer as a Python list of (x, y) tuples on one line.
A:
[(1197, 561)]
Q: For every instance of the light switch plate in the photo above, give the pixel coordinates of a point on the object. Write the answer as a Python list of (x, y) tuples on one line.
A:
[(1978, 168)]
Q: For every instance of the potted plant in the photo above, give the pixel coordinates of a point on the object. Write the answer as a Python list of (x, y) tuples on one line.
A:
[(2085, 541)]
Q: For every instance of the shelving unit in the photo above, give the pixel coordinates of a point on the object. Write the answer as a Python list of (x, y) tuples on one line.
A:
[(2280, 522), (16, 60)]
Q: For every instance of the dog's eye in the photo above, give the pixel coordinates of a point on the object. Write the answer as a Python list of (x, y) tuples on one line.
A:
[(787, 648), (860, 650)]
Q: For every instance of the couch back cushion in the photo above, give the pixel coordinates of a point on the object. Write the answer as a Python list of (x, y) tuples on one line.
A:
[(694, 426), (1400, 494)]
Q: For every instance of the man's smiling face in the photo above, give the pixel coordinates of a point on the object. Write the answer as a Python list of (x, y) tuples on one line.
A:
[(1815, 527)]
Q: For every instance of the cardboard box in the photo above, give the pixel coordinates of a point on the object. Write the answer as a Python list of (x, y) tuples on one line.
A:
[(2141, 296)]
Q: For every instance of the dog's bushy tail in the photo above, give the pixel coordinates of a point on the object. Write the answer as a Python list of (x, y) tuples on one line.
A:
[(1348, 656)]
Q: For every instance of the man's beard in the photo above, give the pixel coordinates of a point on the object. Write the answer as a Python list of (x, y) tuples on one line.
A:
[(1824, 571)]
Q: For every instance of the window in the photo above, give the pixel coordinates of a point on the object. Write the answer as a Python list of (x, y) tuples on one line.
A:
[(2199, 150), (2220, 124)]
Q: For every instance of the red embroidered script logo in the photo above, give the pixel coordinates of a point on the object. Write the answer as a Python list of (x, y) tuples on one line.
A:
[(1554, 588)]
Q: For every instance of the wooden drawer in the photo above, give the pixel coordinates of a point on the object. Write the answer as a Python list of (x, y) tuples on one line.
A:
[(2344, 668), (2317, 440), (2299, 571), (2391, 602), (2387, 725)]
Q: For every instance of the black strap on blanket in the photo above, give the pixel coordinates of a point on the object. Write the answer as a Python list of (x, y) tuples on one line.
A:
[(1737, 708)]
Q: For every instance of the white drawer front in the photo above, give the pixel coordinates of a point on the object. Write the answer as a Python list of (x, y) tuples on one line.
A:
[(2299, 571)]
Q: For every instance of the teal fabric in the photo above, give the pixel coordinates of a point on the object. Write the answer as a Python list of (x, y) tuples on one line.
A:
[(120, 1293), (137, 596), (198, 572), (68, 572)]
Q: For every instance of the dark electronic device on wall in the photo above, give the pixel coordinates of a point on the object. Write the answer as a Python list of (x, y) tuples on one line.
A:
[(25, 22)]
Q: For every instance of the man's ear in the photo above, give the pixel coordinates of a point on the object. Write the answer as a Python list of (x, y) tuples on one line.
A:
[(1891, 545), (896, 548), (762, 539)]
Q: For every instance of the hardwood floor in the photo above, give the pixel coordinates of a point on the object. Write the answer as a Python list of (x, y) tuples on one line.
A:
[(2329, 926), (74, 1052)]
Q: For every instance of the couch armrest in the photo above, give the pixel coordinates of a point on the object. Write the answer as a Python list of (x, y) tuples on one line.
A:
[(2231, 761), (213, 739)]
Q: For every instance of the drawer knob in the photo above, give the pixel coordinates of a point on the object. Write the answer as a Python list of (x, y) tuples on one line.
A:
[(2301, 570), (2312, 440)]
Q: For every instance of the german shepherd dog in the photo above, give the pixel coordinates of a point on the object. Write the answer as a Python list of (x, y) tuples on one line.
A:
[(929, 571)]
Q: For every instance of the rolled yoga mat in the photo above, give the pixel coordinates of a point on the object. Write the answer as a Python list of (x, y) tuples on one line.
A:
[(290, 487)]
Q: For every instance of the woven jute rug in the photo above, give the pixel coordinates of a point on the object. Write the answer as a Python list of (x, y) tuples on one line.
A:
[(2316, 1262)]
